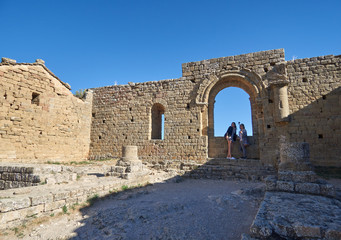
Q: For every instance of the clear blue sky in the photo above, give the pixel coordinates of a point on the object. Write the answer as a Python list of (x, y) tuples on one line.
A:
[(97, 43)]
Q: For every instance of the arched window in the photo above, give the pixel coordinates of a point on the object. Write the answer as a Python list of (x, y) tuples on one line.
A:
[(157, 128)]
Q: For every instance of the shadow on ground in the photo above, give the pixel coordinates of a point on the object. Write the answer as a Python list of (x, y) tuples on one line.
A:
[(179, 208)]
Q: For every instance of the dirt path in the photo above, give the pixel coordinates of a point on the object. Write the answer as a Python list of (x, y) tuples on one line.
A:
[(191, 209)]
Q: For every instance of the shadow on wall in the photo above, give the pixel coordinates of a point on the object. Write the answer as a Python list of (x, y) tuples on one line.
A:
[(319, 124)]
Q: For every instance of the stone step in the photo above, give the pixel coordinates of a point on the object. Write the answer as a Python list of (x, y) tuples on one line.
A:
[(221, 168), (238, 162)]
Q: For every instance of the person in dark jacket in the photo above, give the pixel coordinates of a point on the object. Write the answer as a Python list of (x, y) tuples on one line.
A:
[(230, 136), (243, 140)]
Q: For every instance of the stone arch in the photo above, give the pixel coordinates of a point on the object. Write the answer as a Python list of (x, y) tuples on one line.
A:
[(245, 79)]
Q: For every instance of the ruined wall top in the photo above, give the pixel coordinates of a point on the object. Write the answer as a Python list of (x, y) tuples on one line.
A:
[(38, 62)]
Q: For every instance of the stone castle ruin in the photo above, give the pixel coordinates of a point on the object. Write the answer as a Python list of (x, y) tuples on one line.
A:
[(298, 100), (169, 125)]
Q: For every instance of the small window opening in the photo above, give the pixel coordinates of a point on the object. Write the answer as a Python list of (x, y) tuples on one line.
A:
[(270, 101), (268, 126), (189, 137), (132, 119), (324, 97), (35, 99), (304, 79), (320, 136), (130, 109), (266, 69), (190, 121), (94, 115), (103, 120), (5, 96), (187, 107), (99, 137)]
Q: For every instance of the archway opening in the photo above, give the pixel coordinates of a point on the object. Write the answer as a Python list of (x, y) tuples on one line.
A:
[(246, 90), (232, 104)]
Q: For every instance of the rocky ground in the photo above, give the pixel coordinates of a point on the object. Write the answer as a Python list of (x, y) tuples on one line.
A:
[(181, 209)]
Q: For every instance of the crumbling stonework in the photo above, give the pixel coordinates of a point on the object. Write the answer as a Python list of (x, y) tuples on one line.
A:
[(299, 100), (40, 119)]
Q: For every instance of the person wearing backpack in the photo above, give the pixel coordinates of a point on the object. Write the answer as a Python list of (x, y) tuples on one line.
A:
[(243, 140)]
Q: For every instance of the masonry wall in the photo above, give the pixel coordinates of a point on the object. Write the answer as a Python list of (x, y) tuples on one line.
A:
[(122, 114), (40, 119), (315, 107)]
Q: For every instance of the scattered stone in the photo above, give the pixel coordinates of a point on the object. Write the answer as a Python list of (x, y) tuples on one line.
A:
[(292, 216)]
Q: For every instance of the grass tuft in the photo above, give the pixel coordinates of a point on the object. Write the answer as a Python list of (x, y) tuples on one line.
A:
[(64, 208), (92, 199)]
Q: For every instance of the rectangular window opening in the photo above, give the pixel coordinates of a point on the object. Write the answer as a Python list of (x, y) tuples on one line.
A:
[(35, 99)]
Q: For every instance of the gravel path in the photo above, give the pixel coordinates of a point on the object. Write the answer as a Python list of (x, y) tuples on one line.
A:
[(190, 209)]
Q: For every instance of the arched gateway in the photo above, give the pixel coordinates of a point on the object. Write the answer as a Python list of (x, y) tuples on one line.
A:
[(252, 84)]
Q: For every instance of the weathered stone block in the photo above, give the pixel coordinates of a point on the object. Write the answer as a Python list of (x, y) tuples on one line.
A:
[(260, 228), (11, 204), (285, 186), (307, 231), (54, 205), (285, 176), (311, 188), (327, 190), (333, 234), (41, 198), (8, 60), (31, 211), (61, 195), (8, 217), (270, 183)]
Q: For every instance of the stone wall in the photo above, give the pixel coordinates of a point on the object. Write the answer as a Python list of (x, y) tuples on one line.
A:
[(15, 177), (314, 95), (293, 101), (122, 115), (40, 119), (288, 101)]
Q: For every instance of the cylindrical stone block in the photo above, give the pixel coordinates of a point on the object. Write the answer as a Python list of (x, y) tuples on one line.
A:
[(281, 103), (129, 153)]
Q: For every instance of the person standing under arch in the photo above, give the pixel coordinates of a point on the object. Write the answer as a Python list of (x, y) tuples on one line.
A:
[(243, 140), (230, 136)]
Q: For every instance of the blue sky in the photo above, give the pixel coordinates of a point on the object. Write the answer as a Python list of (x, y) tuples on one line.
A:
[(98, 43)]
